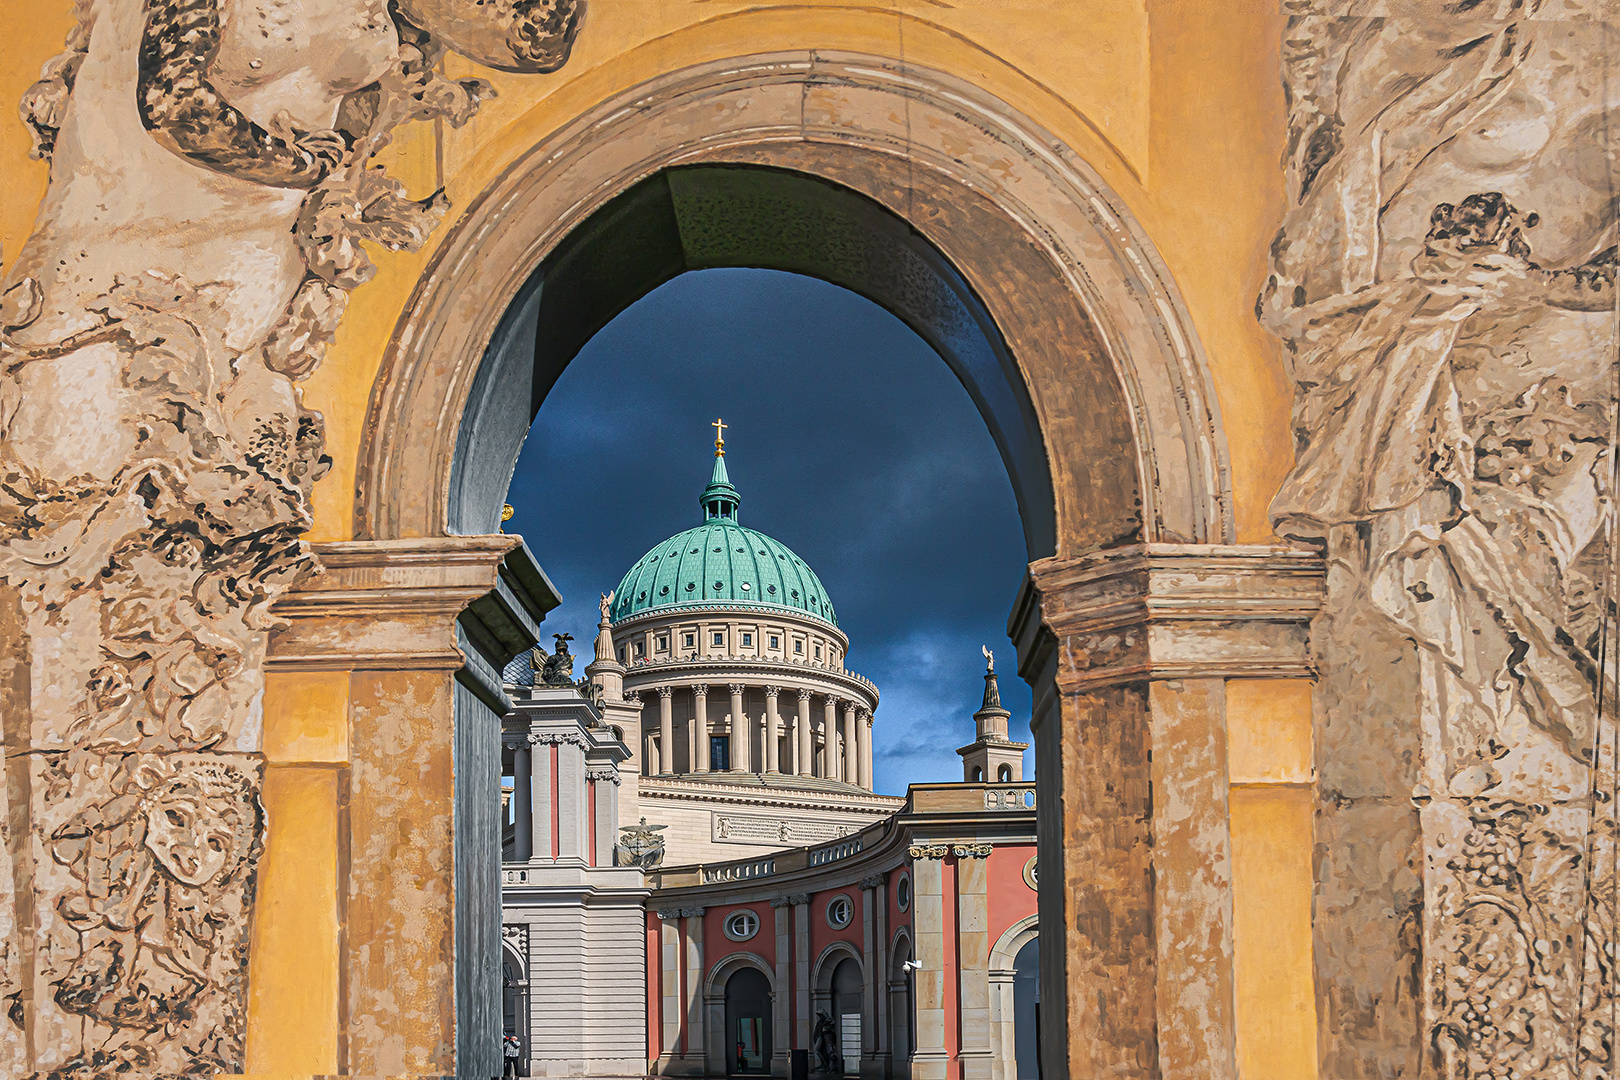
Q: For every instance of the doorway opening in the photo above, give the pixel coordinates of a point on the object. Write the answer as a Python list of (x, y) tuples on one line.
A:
[(748, 1022)]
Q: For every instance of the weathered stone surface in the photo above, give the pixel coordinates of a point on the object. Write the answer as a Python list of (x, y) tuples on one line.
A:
[(212, 182), (1444, 283)]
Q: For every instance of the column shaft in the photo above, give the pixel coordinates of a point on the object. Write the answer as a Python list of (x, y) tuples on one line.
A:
[(522, 803), (804, 746), (930, 1056), (863, 726), (742, 737), (773, 732), (830, 767), (852, 747), (973, 967), (696, 1050), (666, 731), (698, 727)]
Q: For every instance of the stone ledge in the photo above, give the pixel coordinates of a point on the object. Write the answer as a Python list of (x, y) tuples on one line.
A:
[(1167, 611)]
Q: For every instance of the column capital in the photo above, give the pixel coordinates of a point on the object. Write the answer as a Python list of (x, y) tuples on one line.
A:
[(868, 717), (772, 691), (605, 773), (873, 881), (700, 689), (804, 695), (791, 900), (693, 912), (665, 691), (1171, 611), (736, 688)]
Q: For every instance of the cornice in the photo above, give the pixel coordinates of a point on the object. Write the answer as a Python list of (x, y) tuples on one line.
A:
[(675, 614), (721, 670), (792, 798), (1163, 611)]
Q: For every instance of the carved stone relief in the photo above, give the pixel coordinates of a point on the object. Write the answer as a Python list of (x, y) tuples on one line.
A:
[(1444, 285), (212, 181)]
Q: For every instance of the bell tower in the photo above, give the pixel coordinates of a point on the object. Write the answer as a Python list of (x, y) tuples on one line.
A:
[(992, 757)]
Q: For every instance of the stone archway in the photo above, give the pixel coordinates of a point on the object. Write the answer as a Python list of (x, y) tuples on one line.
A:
[(1003, 968), (1034, 284), (718, 1032)]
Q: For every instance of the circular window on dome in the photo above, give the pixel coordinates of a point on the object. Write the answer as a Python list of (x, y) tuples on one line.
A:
[(742, 551), (643, 596), (839, 912), (664, 591), (718, 550), (694, 551), (746, 586), (719, 585), (673, 554), (762, 553), (795, 594), (771, 589), (653, 559), (690, 585), (741, 925)]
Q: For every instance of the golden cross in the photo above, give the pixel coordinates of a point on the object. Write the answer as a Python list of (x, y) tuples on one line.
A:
[(719, 437)]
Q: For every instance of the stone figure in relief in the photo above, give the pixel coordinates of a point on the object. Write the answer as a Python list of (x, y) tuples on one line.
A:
[(212, 179), (1444, 282)]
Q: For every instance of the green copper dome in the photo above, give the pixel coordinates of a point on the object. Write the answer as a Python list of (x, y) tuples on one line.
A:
[(721, 564)]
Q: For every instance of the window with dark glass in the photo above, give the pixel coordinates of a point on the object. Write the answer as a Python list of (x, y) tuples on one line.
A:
[(719, 753)]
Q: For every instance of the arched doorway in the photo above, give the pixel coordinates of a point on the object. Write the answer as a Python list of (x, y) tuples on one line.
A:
[(1015, 1026), (902, 1015), (748, 1022), (1026, 1012), (847, 991), (1012, 258), (515, 1000)]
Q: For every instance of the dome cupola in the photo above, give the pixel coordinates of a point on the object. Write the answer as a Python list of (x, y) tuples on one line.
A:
[(720, 564)]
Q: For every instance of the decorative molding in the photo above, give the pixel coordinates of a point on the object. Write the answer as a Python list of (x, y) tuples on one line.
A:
[(665, 692), (805, 695), (928, 851), (728, 828), (771, 692), (517, 936), (692, 912), (604, 774), (700, 690), (560, 738), (874, 881), (1167, 611), (971, 851)]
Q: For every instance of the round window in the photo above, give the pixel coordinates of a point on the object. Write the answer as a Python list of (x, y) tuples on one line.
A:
[(839, 912), (902, 894), (741, 925)]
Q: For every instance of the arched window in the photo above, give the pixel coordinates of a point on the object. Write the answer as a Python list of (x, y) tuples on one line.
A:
[(978, 775), (1004, 773)]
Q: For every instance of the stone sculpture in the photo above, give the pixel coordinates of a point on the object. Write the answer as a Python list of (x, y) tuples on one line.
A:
[(1444, 283), (212, 180), (554, 668), (825, 1041)]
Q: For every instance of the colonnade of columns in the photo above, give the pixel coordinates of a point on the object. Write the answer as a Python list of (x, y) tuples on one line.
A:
[(846, 735)]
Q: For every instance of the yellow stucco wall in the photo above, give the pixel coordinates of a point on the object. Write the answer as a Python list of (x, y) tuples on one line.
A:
[(1175, 103)]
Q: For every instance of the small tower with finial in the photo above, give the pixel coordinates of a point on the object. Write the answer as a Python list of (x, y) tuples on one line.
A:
[(992, 757)]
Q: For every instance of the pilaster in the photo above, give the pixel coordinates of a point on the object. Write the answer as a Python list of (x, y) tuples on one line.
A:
[(782, 1005), (696, 1044), (930, 1057)]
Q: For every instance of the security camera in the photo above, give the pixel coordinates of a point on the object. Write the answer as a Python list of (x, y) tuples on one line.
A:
[(912, 965)]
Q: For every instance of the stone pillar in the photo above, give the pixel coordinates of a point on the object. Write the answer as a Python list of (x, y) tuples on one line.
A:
[(802, 1017), (804, 745), (522, 802), (696, 1055), (1132, 806), (873, 946), (863, 724), (698, 728), (666, 731), (573, 820), (540, 789), (773, 731), (604, 780), (851, 773), (830, 767), (742, 735), (650, 753), (669, 985), (782, 997), (973, 963), (930, 1056)]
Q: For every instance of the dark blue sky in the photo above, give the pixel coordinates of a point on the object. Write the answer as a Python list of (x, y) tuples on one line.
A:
[(850, 441)]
